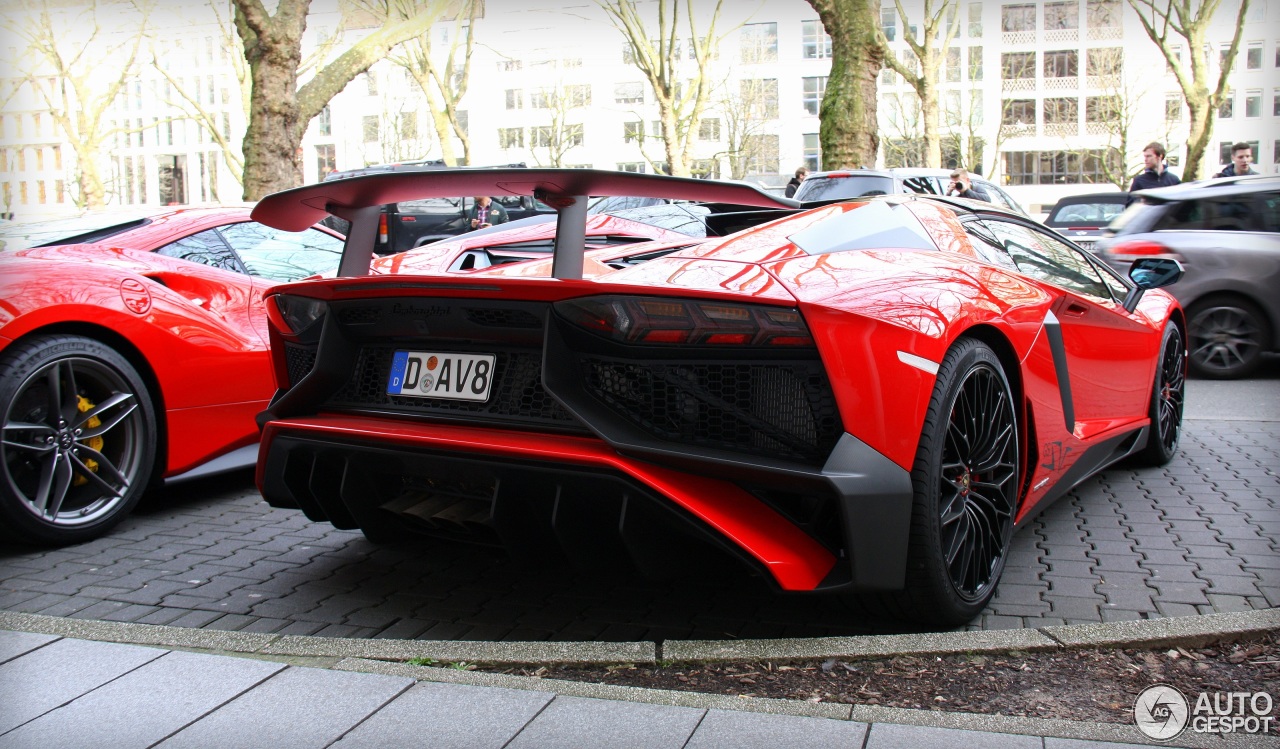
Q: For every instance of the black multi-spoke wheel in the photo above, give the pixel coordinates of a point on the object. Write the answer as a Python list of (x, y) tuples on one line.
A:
[(77, 439), (966, 480), (1166, 400), (1227, 337)]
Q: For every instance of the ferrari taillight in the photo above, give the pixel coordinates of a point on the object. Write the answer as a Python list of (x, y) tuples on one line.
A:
[(1139, 248), (652, 320)]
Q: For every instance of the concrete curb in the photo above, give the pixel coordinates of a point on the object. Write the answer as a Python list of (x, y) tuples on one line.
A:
[(385, 656), (1190, 631)]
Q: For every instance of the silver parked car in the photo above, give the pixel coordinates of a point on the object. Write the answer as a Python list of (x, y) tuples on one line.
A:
[(858, 183), (1226, 234)]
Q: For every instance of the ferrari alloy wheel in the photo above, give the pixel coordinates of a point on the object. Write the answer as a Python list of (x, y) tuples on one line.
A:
[(78, 439), (1227, 336), (966, 488), (1167, 400)]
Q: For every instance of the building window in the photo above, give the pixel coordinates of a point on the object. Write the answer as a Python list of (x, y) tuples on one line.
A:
[(1103, 14), (370, 123), (975, 20), (631, 166), (540, 100), (326, 159), (1223, 51), (889, 22), (1173, 107), (975, 63), (760, 96), (1062, 15), (1253, 104), (540, 136), (510, 66), (1226, 109), (1104, 109), (324, 122), (1018, 112), (1061, 111), (1018, 18), (1018, 65), (1108, 61), (1275, 104), (629, 93), (515, 98), (812, 151), (762, 154), (370, 83), (815, 44), (1063, 63), (709, 129), (510, 137), (408, 125), (574, 135), (1275, 152), (705, 168), (953, 64), (632, 132), (814, 89), (759, 42), (578, 95), (1253, 57), (1058, 167)]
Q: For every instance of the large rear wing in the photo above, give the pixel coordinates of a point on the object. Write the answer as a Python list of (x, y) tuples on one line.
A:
[(359, 200)]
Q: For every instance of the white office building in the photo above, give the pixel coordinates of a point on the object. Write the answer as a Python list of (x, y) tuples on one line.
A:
[(1034, 95)]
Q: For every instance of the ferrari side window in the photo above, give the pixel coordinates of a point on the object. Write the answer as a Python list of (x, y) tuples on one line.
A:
[(206, 248), (1047, 259), (283, 255)]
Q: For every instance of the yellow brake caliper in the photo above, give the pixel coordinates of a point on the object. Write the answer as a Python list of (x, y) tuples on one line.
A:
[(93, 443)]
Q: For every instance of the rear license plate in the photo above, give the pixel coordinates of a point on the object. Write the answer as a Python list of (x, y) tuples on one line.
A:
[(426, 374)]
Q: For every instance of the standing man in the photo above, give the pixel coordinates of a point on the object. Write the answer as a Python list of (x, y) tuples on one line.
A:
[(486, 213), (794, 184), (1241, 158), (1156, 173), (961, 186)]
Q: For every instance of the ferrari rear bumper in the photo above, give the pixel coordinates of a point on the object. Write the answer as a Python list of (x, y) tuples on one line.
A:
[(845, 526)]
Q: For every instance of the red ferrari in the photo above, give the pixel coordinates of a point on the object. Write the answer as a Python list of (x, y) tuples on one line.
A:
[(868, 397), (133, 348)]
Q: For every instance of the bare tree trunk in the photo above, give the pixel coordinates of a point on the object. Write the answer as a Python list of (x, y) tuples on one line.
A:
[(279, 110), (930, 58), (849, 130)]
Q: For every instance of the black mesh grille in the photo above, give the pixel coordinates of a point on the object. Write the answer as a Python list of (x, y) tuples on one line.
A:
[(516, 396), (360, 315), (775, 409), (503, 318), (300, 360)]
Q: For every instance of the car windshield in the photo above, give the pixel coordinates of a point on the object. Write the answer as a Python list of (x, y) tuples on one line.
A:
[(90, 227), (1092, 214), (837, 187)]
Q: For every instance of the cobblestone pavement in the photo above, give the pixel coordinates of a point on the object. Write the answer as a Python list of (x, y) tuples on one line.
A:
[(1197, 537)]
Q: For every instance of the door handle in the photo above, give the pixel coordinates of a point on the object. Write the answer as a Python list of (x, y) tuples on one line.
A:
[(1075, 309)]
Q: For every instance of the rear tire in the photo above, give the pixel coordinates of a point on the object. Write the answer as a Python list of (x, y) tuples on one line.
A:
[(966, 478), (1167, 399), (1226, 337), (79, 439)]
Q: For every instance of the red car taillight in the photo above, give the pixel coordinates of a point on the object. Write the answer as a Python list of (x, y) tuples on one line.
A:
[(1139, 247), (653, 320)]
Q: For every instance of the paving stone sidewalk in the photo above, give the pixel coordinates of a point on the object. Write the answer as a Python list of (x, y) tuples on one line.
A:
[(68, 693), (1196, 537)]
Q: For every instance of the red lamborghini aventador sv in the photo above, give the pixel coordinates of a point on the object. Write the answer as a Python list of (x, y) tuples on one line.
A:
[(867, 397)]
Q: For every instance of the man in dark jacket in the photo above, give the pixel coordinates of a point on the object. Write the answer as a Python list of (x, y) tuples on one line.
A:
[(794, 184), (961, 186), (1241, 158), (1156, 173), (485, 213)]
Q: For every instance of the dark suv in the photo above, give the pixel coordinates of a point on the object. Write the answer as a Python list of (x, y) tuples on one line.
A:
[(1226, 234), (418, 222)]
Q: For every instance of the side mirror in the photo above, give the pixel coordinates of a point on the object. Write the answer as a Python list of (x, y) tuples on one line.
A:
[(1151, 273)]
